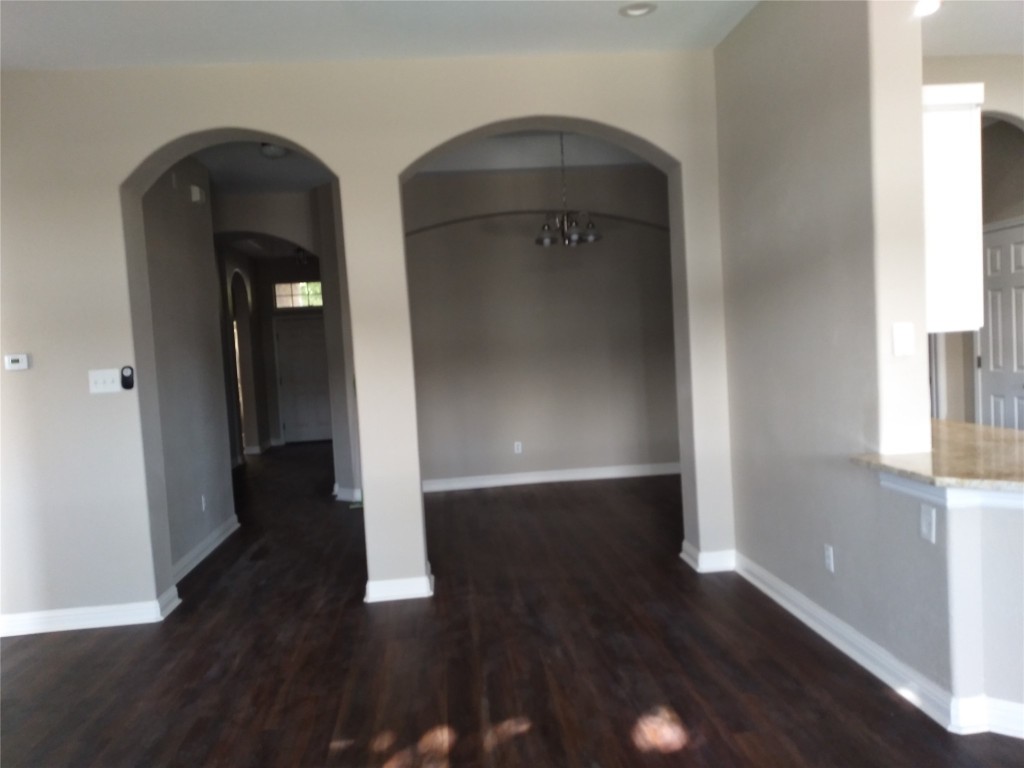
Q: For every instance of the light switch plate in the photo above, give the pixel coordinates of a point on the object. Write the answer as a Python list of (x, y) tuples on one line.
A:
[(104, 381)]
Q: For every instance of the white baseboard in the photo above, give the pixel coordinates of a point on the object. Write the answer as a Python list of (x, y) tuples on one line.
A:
[(961, 715), (86, 617), (347, 494), (168, 601), (277, 441), (1006, 717), (90, 617), (384, 590), (926, 695), (200, 551), (983, 714), (548, 476), (253, 450), (716, 561)]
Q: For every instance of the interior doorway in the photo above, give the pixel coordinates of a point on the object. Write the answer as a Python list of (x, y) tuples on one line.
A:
[(303, 390), (203, 331)]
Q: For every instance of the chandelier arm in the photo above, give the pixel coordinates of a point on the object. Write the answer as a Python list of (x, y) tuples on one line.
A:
[(561, 148)]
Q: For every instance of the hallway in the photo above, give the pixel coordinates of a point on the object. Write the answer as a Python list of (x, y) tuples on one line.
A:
[(564, 631)]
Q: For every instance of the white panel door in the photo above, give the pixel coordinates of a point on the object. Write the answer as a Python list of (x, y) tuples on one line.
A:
[(1000, 387), (302, 378)]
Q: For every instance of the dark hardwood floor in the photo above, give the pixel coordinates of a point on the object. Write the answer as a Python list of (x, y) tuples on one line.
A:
[(564, 631)]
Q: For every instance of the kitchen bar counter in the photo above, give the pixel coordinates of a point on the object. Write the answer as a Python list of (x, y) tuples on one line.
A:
[(963, 456)]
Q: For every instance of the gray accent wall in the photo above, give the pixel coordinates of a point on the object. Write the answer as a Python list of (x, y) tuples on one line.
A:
[(186, 306), (1002, 172), (566, 350)]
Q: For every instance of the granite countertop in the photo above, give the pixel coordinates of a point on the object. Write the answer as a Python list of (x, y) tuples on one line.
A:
[(963, 456)]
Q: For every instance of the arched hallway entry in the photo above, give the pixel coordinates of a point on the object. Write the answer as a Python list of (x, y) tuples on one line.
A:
[(192, 297)]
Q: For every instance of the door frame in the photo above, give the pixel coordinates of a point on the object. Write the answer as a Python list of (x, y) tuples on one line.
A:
[(286, 316)]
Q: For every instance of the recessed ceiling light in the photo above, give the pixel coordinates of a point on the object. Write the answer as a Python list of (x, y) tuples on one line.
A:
[(636, 10), (926, 7)]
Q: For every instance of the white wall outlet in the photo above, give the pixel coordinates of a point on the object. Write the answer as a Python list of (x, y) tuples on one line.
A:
[(104, 381), (517, 447), (830, 559), (927, 523)]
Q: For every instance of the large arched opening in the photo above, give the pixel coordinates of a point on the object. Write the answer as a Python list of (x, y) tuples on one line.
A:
[(201, 335), (509, 212)]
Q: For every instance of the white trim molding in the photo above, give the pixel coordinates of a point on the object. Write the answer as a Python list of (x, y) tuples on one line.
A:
[(549, 476), (347, 494), (201, 550), (168, 601), (277, 441), (926, 695), (958, 714), (385, 590), (1005, 717), (89, 617), (253, 450), (717, 561), (984, 714)]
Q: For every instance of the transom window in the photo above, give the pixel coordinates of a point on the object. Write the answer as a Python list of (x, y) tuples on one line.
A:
[(294, 295)]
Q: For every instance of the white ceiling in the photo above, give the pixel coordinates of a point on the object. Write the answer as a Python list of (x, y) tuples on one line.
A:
[(90, 34), (86, 34), (975, 28)]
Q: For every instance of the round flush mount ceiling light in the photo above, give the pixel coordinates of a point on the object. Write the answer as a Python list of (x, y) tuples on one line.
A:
[(926, 7), (272, 151), (636, 10)]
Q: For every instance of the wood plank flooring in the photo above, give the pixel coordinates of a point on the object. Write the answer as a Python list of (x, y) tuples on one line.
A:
[(564, 632)]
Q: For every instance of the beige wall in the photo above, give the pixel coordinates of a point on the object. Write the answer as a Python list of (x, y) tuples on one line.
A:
[(71, 139), (186, 310), (807, 263), (569, 351)]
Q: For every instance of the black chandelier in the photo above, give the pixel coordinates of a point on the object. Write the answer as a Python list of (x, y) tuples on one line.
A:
[(567, 227)]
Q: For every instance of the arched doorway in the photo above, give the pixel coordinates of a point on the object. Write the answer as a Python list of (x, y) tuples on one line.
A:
[(244, 416), (181, 297), (715, 526)]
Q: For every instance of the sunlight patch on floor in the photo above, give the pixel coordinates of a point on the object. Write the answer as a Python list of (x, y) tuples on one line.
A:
[(498, 734), (661, 731), (433, 748)]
